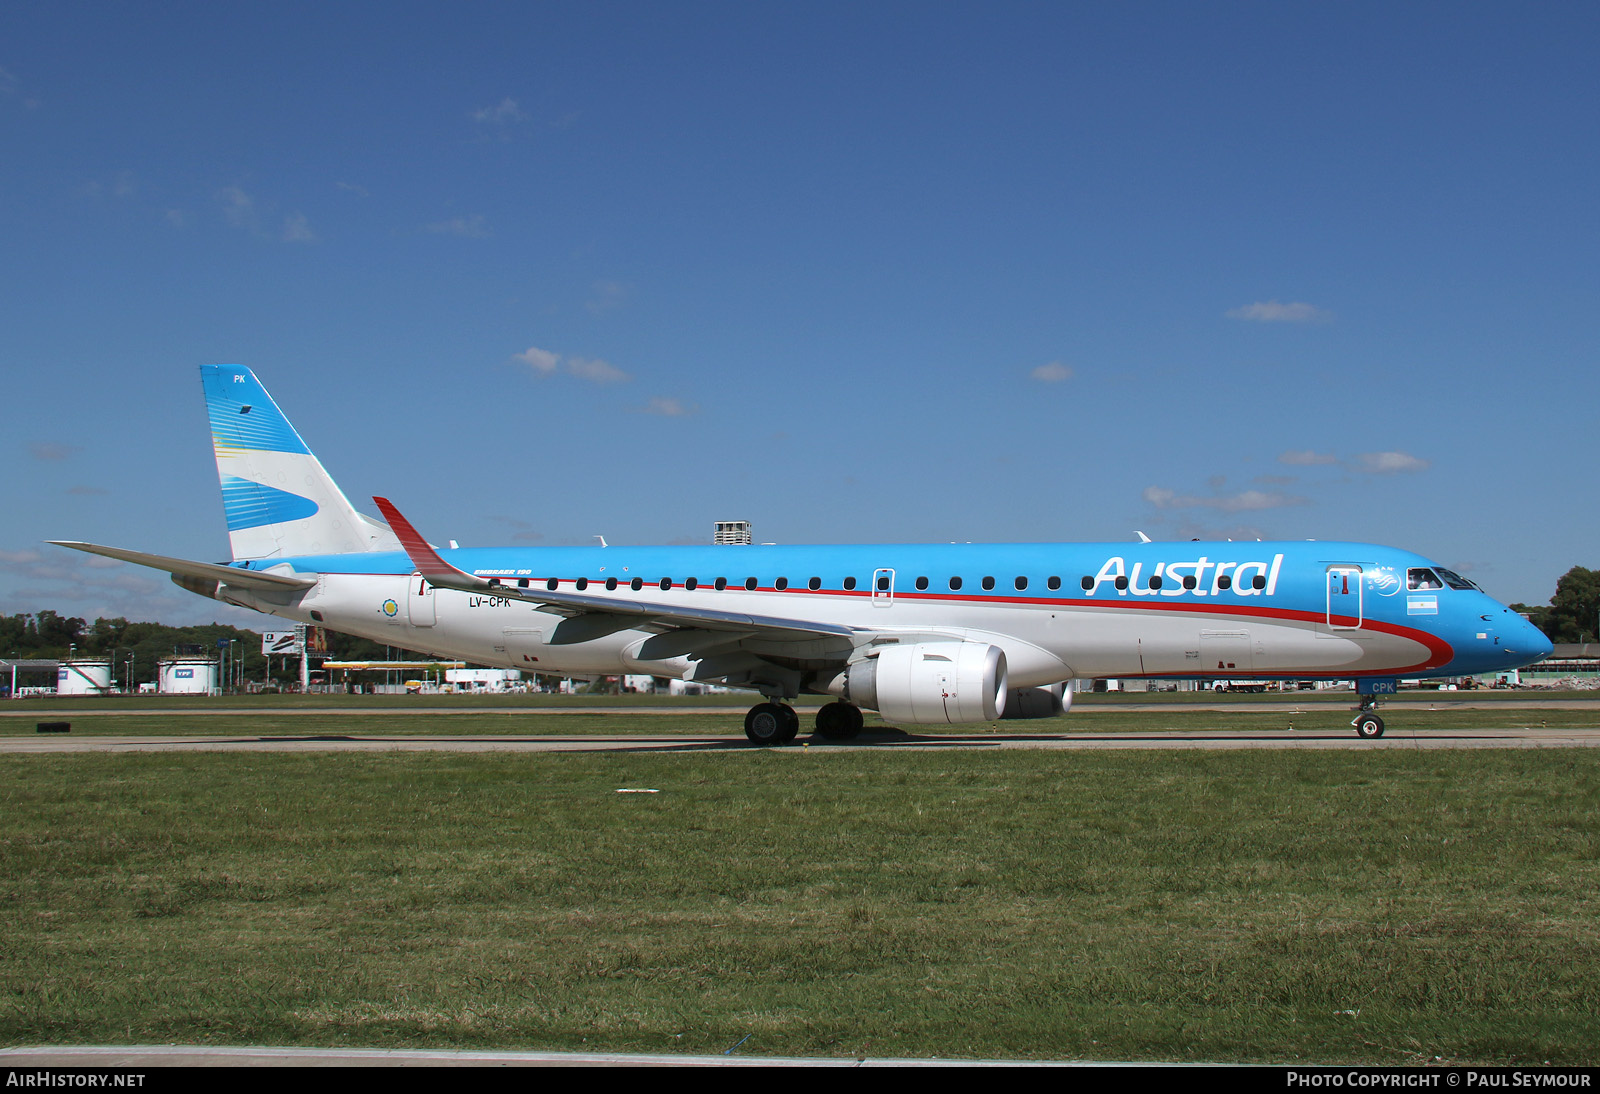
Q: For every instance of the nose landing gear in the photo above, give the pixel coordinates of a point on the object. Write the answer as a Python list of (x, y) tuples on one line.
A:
[(1368, 724)]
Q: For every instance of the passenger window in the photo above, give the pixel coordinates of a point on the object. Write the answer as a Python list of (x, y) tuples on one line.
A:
[(988, 583), (611, 584), (750, 584), (1121, 582), (691, 583), (582, 583), (883, 583), (666, 584), (1155, 581), (1022, 583), (722, 583), (849, 584), (955, 583), (922, 583), (637, 583), (1259, 581), (551, 584), (1087, 583), (814, 584), (1189, 582), (1224, 582), (522, 583), (781, 584), (1053, 584)]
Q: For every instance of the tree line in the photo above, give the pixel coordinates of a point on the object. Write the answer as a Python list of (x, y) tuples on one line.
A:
[(48, 635), (1571, 614)]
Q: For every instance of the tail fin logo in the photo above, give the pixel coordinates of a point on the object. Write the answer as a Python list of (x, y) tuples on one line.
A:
[(251, 504), (244, 418)]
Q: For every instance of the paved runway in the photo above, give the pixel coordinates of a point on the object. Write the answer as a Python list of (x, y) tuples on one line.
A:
[(42, 713), (1221, 739)]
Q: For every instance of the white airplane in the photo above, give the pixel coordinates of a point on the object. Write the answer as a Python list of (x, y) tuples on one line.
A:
[(923, 634)]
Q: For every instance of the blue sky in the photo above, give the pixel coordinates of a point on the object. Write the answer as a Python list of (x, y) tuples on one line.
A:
[(855, 273)]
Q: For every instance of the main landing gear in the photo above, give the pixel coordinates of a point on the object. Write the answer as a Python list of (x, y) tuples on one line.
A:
[(778, 724), (839, 721), (771, 724), (1367, 722)]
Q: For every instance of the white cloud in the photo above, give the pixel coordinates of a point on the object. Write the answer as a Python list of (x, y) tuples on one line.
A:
[(596, 371), (49, 450), (1307, 458), (296, 229), (505, 112), (352, 188), (542, 361), (1389, 463), (238, 207), (242, 210), (606, 296), (123, 184), (464, 227), (669, 407), (1273, 312), (1247, 501), (1053, 373), (10, 87)]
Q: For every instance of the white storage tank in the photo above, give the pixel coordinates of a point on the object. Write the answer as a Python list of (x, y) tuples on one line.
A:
[(188, 676), (83, 678)]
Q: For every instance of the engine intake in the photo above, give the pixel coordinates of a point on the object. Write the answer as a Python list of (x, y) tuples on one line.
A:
[(930, 683)]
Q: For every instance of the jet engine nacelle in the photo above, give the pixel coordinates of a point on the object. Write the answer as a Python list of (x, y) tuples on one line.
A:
[(932, 682), (1046, 702)]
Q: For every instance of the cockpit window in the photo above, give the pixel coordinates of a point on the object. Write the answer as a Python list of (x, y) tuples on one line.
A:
[(1455, 580), (1419, 578)]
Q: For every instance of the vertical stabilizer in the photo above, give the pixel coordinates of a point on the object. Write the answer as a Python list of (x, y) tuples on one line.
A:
[(278, 499)]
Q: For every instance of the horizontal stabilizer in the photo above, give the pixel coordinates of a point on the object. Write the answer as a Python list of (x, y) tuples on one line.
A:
[(204, 571)]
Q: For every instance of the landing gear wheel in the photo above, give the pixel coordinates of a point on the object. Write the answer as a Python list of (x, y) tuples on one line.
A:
[(768, 723), (791, 723), (839, 721), (1369, 726)]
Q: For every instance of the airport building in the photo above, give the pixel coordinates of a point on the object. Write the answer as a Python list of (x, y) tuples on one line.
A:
[(1578, 662)]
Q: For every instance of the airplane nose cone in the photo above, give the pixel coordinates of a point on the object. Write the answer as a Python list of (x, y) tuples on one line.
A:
[(1527, 641)]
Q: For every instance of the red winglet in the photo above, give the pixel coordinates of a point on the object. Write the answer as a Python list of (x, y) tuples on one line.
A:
[(423, 557)]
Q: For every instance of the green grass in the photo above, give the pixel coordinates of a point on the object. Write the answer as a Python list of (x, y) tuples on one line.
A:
[(1275, 906)]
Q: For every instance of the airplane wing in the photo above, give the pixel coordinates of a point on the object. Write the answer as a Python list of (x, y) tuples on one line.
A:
[(203, 571), (627, 613)]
